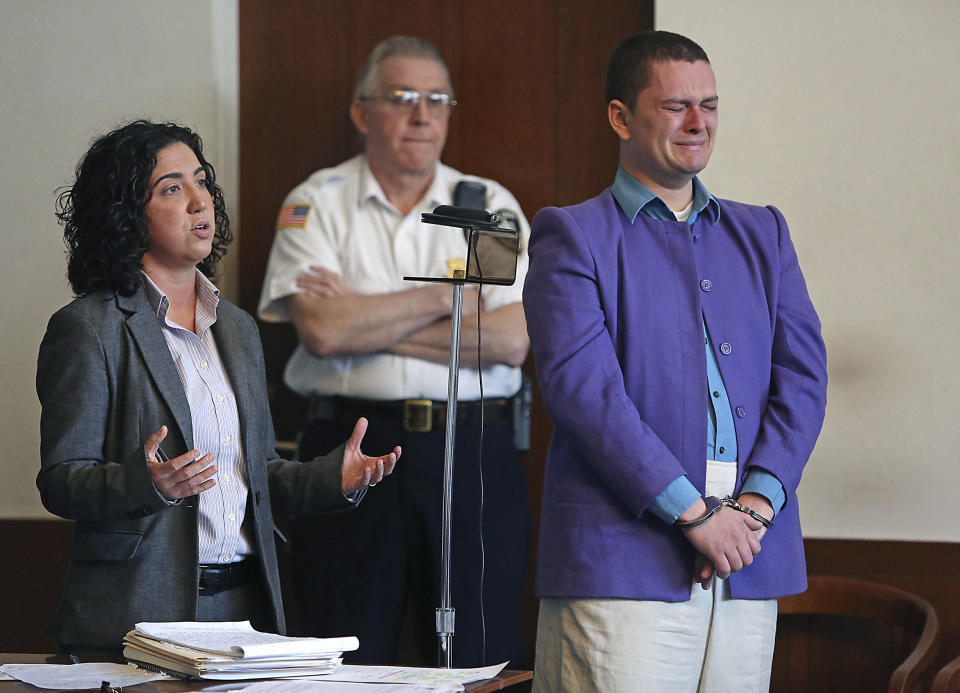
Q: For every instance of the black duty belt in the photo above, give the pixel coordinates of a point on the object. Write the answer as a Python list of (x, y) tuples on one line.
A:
[(413, 415), (216, 578)]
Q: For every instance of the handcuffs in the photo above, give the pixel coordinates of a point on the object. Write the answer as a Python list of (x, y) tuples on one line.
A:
[(714, 505)]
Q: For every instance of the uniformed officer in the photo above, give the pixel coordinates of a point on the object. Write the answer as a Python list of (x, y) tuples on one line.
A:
[(372, 343)]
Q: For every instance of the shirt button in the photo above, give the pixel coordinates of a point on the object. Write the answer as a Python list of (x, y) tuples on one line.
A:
[(226, 477), (226, 557), (722, 449), (716, 394), (219, 398), (741, 412), (726, 348), (203, 364), (231, 517), (226, 439), (706, 285)]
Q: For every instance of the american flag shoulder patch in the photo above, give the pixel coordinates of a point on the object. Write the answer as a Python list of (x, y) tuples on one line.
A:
[(293, 216)]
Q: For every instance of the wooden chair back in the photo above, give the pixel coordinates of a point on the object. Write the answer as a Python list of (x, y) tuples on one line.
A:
[(948, 678), (853, 635)]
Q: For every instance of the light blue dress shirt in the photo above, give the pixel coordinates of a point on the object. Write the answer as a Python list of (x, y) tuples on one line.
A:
[(635, 198)]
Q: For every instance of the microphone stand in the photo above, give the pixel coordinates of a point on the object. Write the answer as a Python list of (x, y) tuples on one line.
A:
[(471, 221), (446, 612)]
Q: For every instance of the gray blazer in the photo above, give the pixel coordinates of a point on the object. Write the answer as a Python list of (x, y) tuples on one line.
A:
[(106, 381)]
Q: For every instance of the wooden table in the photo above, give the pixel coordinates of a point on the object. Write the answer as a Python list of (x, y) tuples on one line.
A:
[(506, 678)]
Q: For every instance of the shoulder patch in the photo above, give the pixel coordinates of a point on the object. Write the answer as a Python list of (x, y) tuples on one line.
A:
[(293, 216), (509, 219)]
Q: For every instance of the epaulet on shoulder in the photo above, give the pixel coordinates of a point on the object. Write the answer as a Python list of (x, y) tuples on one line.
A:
[(329, 177), (324, 177)]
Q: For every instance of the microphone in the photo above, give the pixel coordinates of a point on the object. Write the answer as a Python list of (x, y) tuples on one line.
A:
[(462, 217)]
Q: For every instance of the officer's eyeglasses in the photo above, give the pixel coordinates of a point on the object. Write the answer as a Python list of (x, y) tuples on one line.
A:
[(408, 99)]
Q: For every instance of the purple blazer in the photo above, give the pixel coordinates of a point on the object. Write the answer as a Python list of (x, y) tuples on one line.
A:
[(614, 314)]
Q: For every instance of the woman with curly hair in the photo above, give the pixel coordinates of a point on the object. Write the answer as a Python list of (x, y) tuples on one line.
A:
[(156, 434)]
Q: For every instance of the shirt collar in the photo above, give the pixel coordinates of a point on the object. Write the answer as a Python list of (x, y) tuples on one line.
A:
[(634, 197), (208, 297), (369, 188)]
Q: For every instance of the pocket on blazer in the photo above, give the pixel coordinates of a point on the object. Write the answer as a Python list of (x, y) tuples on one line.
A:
[(104, 545)]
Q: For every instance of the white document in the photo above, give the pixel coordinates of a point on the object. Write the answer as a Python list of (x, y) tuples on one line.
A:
[(86, 675), (136, 647), (239, 639), (318, 686), (358, 673)]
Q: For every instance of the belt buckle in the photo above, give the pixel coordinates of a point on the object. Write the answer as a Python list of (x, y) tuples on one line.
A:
[(418, 415)]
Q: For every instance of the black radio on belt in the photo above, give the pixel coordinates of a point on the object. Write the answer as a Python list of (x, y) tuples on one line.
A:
[(521, 414)]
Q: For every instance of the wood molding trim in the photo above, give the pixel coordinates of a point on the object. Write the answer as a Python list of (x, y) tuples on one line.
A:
[(36, 552)]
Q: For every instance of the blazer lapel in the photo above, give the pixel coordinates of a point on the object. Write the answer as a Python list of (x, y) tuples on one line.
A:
[(142, 323), (234, 353)]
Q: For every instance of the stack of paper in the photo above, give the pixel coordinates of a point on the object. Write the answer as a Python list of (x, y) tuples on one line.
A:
[(226, 650)]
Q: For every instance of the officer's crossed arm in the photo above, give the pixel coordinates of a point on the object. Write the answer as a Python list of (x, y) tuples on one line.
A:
[(503, 339), (331, 319)]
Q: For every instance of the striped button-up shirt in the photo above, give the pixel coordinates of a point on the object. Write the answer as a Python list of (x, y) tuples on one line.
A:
[(216, 423)]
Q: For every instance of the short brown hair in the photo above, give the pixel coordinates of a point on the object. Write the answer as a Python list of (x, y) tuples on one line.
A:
[(628, 72)]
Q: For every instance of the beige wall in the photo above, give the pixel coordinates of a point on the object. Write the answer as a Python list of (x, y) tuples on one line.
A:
[(844, 115), (70, 71)]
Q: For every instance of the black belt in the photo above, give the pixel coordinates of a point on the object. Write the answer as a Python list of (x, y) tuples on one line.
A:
[(413, 415), (216, 578)]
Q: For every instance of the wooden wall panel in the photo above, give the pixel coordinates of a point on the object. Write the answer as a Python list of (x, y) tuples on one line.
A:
[(530, 79), (286, 122), (35, 561), (508, 123), (585, 144)]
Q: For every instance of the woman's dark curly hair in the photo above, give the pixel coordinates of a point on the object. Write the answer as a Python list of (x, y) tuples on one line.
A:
[(103, 212)]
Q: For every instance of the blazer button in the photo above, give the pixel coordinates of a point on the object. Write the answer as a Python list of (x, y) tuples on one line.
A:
[(726, 348), (706, 285), (741, 412)]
